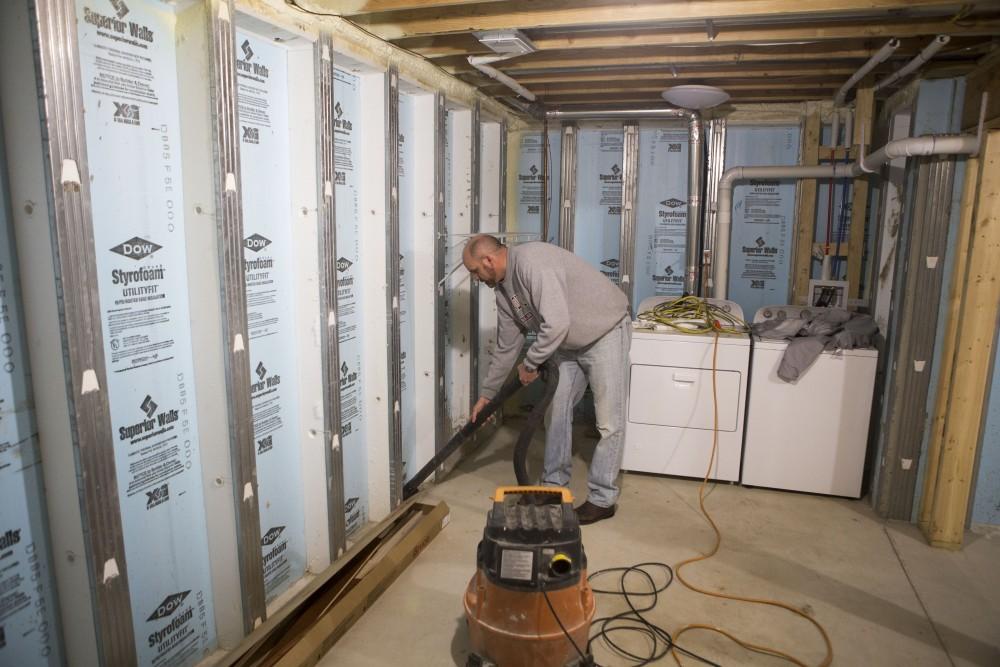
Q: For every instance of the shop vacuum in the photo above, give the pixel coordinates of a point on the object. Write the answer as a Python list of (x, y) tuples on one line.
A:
[(529, 603)]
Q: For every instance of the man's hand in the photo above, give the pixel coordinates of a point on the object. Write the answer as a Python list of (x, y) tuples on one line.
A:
[(526, 376), (477, 408)]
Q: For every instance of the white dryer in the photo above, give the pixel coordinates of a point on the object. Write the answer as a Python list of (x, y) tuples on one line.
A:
[(811, 435), (670, 411)]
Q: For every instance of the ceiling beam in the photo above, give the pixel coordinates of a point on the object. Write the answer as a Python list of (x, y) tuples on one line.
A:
[(664, 60), (354, 7), (442, 46), (560, 13), (656, 90), (666, 75), (744, 34)]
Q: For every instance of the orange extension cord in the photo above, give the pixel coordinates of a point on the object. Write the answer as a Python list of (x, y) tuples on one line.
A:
[(757, 648)]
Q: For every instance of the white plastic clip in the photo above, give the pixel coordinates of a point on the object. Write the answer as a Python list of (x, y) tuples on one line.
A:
[(238, 345), (230, 182), (110, 570), (932, 262), (918, 366), (247, 491), (70, 174), (89, 382), (224, 11), (327, 189)]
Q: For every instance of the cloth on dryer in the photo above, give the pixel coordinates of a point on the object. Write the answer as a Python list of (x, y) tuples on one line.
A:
[(809, 336)]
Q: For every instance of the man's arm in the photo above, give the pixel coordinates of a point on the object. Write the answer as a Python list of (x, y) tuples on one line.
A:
[(547, 289), (510, 340)]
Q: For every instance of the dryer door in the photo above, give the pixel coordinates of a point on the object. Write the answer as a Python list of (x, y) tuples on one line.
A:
[(682, 397)]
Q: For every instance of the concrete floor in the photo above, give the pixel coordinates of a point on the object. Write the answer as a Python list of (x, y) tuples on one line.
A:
[(884, 596)]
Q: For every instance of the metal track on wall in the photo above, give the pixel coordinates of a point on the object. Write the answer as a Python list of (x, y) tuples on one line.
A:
[(440, 257), (567, 189), (502, 222), (234, 315), (630, 182), (330, 336), (80, 319), (475, 227), (915, 336), (393, 292)]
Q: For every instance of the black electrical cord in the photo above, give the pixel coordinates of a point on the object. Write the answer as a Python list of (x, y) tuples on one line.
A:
[(584, 660), (632, 621)]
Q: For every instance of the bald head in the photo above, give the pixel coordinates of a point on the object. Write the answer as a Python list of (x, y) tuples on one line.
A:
[(485, 258)]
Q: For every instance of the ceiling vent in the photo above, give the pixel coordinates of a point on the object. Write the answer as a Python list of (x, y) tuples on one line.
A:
[(509, 43)]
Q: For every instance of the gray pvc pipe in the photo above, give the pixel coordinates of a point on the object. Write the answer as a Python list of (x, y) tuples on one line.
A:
[(598, 114), (961, 145)]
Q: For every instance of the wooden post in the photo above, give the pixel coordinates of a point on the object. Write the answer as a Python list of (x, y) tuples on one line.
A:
[(805, 217), (947, 507), (864, 118), (950, 337)]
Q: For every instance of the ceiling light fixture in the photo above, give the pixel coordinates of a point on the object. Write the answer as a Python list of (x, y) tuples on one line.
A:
[(695, 97)]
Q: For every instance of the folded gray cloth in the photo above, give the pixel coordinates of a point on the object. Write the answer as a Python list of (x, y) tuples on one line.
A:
[(859, 331), (779, 329), (827, 329), (826, 322), (801, 353)]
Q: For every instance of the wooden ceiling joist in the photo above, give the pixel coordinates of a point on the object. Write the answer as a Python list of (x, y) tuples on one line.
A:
[(442, 46), (472, 16)]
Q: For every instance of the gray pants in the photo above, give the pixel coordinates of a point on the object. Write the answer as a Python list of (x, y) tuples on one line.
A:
[(604, 366)]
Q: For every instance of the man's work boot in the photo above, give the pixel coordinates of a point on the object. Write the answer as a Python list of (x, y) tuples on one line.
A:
[(591, 513)]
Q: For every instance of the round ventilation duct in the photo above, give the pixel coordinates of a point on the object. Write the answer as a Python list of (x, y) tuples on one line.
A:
[(695, 97)]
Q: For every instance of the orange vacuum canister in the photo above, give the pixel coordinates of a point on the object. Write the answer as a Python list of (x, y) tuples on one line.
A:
[(531, 548)]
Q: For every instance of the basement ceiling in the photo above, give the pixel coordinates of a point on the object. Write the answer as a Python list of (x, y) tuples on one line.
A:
[(601, 52)]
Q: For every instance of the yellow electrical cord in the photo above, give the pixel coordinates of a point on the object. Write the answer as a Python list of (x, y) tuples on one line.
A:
[(691, 315), (765, 650)]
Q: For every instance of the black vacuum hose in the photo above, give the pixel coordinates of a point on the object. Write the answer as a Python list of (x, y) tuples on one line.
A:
[(549, 372), (549, 375)]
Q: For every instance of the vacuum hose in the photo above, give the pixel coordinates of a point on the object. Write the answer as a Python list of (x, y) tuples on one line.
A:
[(549, 375)]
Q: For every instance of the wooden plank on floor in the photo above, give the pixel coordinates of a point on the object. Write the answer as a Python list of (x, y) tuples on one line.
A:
[(805, 217), (280, 619), (977, 331), (936, 438), (332, 625)]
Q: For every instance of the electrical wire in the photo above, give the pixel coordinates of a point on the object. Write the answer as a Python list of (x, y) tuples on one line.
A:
[(756, 648), (632, 620), (691, 315), (583, 658)]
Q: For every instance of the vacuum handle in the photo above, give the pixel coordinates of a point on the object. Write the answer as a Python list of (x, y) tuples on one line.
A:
[(502, 491)]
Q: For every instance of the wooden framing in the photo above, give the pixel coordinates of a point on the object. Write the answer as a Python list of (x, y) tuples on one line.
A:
[(757, 44), (805, 211), (305, 628), (970, 337), (465, 16), (464, 43)]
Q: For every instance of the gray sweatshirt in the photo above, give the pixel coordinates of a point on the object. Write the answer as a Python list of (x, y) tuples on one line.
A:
[(559, 296)]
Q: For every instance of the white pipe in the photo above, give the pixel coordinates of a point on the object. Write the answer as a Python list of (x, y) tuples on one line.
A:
[(958, 145), (481, 63), (621, 113), (912, 66), (880, 57)]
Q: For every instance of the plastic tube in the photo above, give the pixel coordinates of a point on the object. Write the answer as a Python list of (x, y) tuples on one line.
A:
[(481, 63), (910, 67)]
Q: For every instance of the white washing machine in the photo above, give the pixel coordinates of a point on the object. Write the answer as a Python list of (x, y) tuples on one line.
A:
[(811, 435), (670, 407)]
